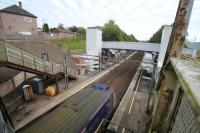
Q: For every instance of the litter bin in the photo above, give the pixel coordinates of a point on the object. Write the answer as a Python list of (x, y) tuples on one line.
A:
[(28, 92), (37, 86)]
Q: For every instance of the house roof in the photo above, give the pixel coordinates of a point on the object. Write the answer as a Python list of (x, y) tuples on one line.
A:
[(14, 9), (57, 30), (65, 31)]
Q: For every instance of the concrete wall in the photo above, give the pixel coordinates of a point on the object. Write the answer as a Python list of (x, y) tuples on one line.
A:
[(13, 24)]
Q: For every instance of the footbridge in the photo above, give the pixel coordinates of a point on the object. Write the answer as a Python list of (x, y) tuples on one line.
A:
[(139, 46), (17, 58), (94, 44)]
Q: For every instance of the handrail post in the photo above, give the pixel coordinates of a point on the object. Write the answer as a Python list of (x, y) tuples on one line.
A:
[(22, 57), (35, 63), (44, 67), (52, 69), (6, 51)]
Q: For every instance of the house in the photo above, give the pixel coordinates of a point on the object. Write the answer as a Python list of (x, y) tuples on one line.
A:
[(39, 30), (15, 20), (63, 32)]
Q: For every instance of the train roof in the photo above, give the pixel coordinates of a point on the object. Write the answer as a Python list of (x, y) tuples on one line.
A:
[(71, 115)]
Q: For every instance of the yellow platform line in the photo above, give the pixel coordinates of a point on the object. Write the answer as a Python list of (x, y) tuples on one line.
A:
[(123, 130), (135, 93)]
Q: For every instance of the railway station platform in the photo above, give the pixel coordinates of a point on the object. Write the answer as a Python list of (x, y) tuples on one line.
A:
[(47, 103), (130, 116)]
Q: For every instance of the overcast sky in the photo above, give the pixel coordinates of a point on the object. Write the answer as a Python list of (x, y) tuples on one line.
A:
[(138, 17)]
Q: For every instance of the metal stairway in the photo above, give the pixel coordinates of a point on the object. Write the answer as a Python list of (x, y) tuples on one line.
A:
[(17, 58)]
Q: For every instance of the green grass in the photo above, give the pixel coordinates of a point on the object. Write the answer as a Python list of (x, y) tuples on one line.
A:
[(72, 44)]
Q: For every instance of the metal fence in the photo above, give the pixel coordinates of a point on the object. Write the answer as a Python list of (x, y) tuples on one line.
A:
[(184, 120), (40, 36), (22, 58)]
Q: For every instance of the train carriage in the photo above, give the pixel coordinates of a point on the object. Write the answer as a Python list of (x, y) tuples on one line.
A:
[(82, 112)]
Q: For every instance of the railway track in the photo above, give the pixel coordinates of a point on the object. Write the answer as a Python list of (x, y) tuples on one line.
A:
[(59, 118), (119, 78)]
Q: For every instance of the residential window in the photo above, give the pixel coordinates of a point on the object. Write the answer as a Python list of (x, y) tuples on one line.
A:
[(27, 19)]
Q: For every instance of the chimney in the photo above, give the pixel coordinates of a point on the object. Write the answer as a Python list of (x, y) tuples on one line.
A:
[(20, 4)]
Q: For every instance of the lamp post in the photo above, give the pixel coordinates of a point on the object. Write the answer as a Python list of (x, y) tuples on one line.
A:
[(65, 71)]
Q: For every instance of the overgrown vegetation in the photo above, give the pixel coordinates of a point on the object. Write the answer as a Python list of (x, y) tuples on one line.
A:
[(72, 44)]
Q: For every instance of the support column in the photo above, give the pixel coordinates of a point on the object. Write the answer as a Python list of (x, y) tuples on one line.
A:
[(93, 41), (163, 46), (166, 84), (93, 44)]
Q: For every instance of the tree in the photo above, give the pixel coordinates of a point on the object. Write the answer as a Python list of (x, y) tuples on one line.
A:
[(156, 37), (112, 32), (45, 27), (73, 28), (60, 26), (80, 30), (132, 37)]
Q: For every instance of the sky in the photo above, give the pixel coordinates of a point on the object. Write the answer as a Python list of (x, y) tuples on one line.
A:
[(141, 18)]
